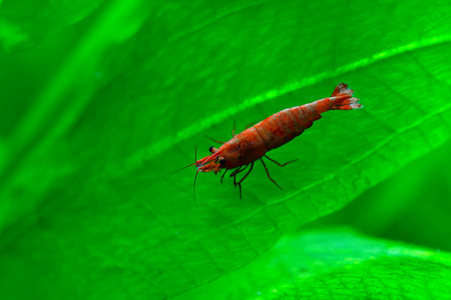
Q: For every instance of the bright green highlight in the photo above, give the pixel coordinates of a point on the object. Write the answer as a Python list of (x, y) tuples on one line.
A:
[(337, 262), (10, 35)]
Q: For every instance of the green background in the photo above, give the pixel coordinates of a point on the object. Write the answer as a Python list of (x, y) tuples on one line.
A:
[(101, 101)]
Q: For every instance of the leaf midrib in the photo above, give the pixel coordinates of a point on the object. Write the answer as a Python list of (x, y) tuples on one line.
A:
[(136, 160)]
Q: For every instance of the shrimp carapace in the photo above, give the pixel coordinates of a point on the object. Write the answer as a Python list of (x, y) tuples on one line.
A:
[(252, 144)]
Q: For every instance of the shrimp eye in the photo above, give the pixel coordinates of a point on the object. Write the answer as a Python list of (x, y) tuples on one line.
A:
[(222, 161), (212, 149)]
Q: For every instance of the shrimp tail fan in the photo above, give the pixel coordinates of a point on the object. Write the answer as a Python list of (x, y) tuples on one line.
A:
[(342, 98)]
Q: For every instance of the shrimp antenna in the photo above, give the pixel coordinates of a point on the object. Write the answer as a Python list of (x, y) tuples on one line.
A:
[(195, 154), (195, 177), (184, 168), (194, 188), (195, 160)]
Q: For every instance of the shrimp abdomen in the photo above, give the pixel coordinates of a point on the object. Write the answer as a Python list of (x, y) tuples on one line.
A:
[(287, 124)]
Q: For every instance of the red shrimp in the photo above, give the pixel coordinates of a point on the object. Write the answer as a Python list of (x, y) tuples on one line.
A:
[(252, 144)]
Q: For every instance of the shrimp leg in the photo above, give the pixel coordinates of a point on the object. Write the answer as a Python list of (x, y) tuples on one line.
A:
[(236, 172), (216, 141), (242, 179), (234, 123), (281, 165), (267, 173), (222, 177)]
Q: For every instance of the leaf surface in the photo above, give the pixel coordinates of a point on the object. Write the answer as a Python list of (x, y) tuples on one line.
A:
[(89, 201), (26, 23), (336, 264)]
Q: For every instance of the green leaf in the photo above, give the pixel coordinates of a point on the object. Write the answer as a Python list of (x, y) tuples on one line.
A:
[(336, 264), (109, 107), (409, 218), (26, 23)]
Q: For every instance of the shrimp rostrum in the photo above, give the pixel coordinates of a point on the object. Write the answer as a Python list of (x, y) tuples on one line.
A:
[(240, 152)]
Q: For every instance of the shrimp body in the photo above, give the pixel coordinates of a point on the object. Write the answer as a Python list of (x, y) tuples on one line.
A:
[(276, 130)]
